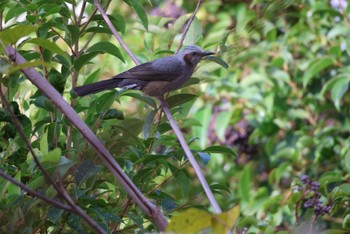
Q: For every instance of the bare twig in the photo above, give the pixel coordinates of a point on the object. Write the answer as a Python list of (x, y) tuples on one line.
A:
[(190, 156), (35, 193), (190, 20), (115, 32), (48, 90)]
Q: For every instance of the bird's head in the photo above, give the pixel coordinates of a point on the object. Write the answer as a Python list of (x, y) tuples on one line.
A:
[(193, 54)]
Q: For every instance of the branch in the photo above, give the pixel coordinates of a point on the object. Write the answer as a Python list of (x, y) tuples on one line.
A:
[(35, 193), (115, 32), (190, 20), (48, 90), (190, 156)]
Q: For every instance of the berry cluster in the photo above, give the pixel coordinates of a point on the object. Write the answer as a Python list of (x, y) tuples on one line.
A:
[(314, 200)]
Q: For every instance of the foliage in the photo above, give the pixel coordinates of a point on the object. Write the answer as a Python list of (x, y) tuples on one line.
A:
[(281, 106)]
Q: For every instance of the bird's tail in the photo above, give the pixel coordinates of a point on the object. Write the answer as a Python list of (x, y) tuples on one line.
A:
[(97, 87)]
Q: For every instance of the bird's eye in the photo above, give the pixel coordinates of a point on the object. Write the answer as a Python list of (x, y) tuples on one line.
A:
[(193, 53)]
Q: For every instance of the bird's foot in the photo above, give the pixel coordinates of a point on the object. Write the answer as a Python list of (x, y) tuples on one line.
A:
[(163, 103)]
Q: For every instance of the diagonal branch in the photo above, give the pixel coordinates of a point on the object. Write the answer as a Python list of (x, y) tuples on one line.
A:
[(35, 193), (190, 156), (115, 32), (49, 91), (188, 25)]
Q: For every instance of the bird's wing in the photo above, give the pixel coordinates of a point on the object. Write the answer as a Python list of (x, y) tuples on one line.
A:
[(164, 69)]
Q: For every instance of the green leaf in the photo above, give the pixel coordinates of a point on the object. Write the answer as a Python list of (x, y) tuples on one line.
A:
[(347, 161), (339, 88), (105, 101), (315, 67), (220, 149), (152, 158), (224, 222), (139, 11), (181, 179), (44, 103), (44, 146), (35, 63), (334, 231), (149, 123), (168, 204), (204, 116), (179, 99), (86, 170), (330, 177), (14, 189), (64, 165), (53, 156), (114, 114), (220, 188), (84, 59), (47, 45), (217, 60), (106, 47), (116, 19), (74, 33), (223, 120), (346, 222), (195, 33), (37, 183), (14, 12), (13, 34), (191, 220), (245, 184), (146, 99)]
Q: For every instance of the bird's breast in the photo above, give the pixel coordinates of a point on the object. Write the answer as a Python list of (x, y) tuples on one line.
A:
[(159, 88)]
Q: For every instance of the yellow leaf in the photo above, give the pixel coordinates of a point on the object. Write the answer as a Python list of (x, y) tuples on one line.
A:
[(190, 221), (222, 223)]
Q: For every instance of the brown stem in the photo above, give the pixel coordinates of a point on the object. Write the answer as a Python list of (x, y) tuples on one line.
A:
[(190, 20), (35, 193), (190, 156), (115, 32)]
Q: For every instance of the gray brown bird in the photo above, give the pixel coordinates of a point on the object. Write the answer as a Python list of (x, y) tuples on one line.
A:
[(154, 78)]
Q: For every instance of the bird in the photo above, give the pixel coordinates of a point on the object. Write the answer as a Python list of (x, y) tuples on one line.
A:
[(153, 78)]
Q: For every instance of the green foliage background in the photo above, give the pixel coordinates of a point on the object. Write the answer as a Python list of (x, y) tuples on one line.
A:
[(282, 106)]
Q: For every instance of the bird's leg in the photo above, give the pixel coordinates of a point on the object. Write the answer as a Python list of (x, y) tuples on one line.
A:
[(162, 101)]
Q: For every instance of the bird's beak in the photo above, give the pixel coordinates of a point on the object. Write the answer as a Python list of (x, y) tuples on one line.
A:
[(207, 53)]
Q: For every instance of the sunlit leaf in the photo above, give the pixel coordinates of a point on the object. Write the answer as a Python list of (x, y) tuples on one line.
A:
[(189, 221), (223, 223), (195, 33)]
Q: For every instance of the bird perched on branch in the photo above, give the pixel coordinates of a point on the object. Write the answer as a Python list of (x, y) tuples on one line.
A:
[(154, 78)]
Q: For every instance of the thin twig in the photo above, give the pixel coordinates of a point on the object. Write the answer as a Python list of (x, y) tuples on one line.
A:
[(35, 193), (115, 32), (190, 156), (188, 25), (81, 13)]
